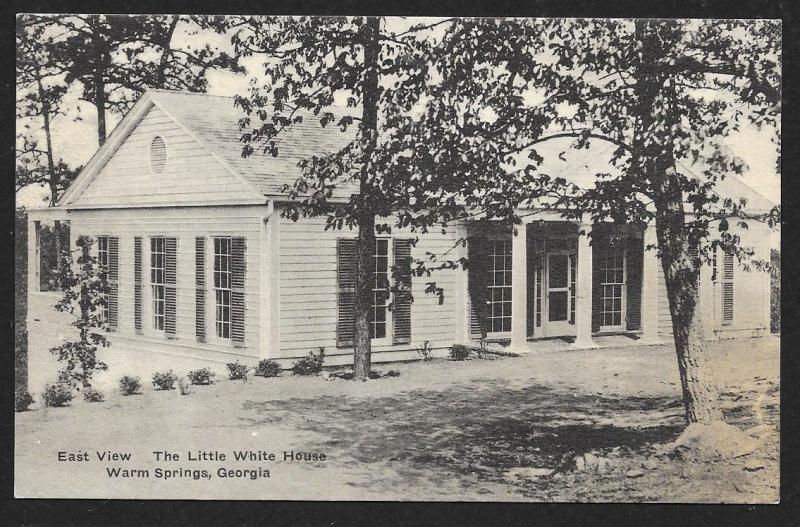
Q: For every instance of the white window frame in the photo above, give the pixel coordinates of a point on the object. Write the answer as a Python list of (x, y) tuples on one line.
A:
[(387, 338), (149, 310), (211, 321), (618, 248), (506, 285)]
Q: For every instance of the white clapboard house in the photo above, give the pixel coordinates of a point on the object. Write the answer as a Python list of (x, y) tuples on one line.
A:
[(202, 264)]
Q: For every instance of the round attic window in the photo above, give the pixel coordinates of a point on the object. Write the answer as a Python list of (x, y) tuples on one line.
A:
[(158, 154)]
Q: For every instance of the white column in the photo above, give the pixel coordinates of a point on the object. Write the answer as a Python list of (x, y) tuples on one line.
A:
[(519, 290), (34, 227), (650, 288), (583, 291)]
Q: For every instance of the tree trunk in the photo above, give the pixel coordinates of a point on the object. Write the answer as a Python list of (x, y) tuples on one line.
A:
[(100, 100), (682, 277), (365, 251), (166, 44), (52, 179)]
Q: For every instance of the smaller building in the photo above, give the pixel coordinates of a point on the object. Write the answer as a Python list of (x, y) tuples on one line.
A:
[(203, 265)]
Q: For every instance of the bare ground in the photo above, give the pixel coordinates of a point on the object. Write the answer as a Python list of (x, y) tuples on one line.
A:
[(549, 426)]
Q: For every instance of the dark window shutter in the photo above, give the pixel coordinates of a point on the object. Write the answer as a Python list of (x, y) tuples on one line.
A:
[(238, 275), (727, 288), (478, 273), (113, 283), (170, 289), (401, 308), (137, 284), (633, 255), (200, 289), (346, 291)]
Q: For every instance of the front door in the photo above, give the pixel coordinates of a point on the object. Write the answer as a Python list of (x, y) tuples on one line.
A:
[(558, 297)]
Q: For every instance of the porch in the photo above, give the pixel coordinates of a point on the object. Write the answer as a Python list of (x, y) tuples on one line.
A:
[(582, 285)]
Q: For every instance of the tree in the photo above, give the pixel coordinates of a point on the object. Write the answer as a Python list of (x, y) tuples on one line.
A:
[(663, 93), (85, 287), (115, 58), (381, 69)]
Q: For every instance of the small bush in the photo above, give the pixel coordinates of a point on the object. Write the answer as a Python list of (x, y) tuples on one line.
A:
[(90, 395), (164, 380), (267, 368), (460, 352), (130, 385), (425, 351), (183, 386), (237, 371), (57, 395), (22, 400), (201, 376), (310, 365)]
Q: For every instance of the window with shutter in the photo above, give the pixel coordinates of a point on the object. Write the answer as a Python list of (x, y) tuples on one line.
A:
[(727, 289), (170, 287), (381, 288), (137, 284), (222, 287), (200, 288), (401, 315), (113, 283), (238, 279), (158, 293), (346, 290)]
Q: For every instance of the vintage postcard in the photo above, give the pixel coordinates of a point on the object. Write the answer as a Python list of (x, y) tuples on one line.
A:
[(397, 258)]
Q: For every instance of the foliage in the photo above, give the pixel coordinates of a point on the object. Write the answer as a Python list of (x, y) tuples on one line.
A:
[(92, 395), (201, 376), (22, 400), (425, 352), (267, 368), (57, 395), (85, 288), (311, 364), (460, 352), (775, 294), (129, 385), (164, 380), (238, 371), (184, 387)]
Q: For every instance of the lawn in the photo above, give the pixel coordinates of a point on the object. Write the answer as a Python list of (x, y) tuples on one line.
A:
[(507, 429)]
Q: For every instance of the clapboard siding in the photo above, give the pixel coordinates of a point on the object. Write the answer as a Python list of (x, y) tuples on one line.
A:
[(127, 178), (185, 225), (308, 290)]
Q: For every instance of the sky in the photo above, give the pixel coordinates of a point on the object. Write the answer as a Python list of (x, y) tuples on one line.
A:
[(75, 134)]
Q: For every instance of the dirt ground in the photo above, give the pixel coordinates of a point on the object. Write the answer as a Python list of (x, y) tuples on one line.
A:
[(547, 426)]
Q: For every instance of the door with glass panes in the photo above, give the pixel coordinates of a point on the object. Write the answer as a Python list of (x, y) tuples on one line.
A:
[(559, 293)]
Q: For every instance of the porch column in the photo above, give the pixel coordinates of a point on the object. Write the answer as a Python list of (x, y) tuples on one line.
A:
[(583, 290), (650, 288), (34, 229), (519, 289)]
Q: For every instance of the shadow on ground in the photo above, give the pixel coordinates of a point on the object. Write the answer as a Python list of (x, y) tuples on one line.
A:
[(479, 429)]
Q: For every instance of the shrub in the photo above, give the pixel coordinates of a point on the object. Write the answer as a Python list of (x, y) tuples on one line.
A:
[(201, 376), (130, 385), (57, 395), (183, 386), (267, 368), (164, 380), (91, 395), (460, 352), (425, 351), (310, 365), (237, 371), (22, 400)]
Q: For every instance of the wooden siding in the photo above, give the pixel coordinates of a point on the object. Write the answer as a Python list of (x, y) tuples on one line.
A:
[(185, 225), (307, 291), (191, 174)]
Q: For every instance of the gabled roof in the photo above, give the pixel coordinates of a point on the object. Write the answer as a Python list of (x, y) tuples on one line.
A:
[(214, 121)]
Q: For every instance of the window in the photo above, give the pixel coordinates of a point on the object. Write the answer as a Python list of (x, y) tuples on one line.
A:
[(158, 154), (102, 260), (380, 291), (158, 261), (499, 297), (222, 287), (612, 284)]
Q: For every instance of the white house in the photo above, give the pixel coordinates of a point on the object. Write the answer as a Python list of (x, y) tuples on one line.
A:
[(202, 264)]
